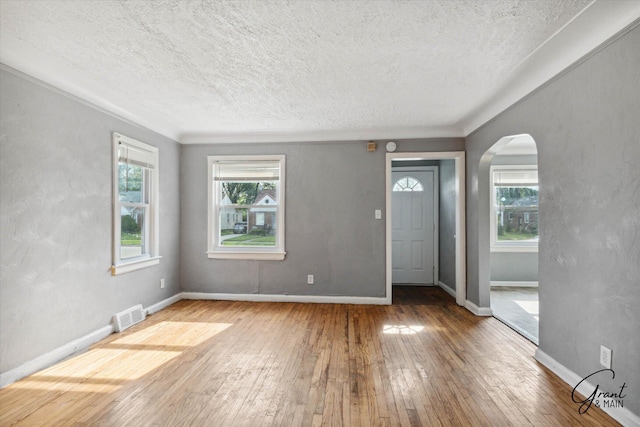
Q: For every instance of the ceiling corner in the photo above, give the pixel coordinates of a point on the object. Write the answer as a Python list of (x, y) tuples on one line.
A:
[(598, 23)]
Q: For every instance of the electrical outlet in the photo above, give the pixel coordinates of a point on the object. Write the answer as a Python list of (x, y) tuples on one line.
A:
[(605, 357), (161, 283), (310, 279)]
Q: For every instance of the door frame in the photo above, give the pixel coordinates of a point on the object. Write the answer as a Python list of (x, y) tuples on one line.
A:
[(436, 212), (461, 261)]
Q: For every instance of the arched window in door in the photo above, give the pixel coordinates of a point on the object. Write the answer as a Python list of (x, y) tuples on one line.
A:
[(408, 183)]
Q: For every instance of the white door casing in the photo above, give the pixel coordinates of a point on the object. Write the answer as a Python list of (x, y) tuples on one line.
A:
[(415, 225), (460, 217)]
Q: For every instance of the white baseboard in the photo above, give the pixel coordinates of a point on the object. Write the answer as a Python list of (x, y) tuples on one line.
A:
[(71, 348), (496, 283), (286, 298), (82, 343), (478, 311), (622, 415), (447, 289), (164, 303), (54, 356)]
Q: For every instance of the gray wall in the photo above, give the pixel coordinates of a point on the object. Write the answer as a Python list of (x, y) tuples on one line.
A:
[(55, 221), (586, 127), (332, 190), (514, 266), (447, 257), (514, 160)]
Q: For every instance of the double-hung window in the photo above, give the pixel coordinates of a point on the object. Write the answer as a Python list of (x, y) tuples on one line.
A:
[(246, 207), (514, 216), (135, 205)]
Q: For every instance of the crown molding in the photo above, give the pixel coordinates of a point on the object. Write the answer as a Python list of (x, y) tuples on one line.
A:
[(322, 135)]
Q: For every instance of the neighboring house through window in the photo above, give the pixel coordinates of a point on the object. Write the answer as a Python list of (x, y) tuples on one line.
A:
[(135, 205), (514, 216), (249, 190)]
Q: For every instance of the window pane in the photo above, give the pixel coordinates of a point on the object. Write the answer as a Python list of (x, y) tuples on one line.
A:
[(244, 207), (132, 232), (248, 193), (131, 179), (260, 230), (232, 222), (516, 214), (408, 184), (135, 208)]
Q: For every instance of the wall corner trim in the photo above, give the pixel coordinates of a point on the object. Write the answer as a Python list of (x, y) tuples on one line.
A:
[(478, 311), (623, 415), (164, 303), (287, 298)]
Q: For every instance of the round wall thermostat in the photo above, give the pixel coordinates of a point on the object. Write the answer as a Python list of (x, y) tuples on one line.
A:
[(391, 146)]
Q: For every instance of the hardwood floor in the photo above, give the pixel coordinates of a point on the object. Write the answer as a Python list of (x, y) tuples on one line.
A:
[(423, 361)]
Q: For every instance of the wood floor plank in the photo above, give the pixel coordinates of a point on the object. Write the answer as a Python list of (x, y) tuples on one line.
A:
[(424, 361)]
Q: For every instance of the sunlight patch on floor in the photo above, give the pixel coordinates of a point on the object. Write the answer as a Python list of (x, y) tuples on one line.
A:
[(108, 366), (402, 329), (530, 307), (174, 334)]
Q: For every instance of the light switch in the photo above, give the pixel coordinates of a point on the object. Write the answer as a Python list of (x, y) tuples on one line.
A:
[(378, 214)]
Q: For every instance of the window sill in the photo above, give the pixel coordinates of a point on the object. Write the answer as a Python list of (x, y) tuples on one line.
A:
[(254, 256), (514, 248), (134, 265)]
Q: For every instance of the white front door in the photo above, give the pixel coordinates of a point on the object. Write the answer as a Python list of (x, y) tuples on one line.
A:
[(414, 219)]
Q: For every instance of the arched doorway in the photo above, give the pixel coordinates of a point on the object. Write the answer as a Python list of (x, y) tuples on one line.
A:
[(509, 170)]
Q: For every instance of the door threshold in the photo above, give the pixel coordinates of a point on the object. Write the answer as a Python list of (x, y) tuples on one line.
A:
[(518, 330)]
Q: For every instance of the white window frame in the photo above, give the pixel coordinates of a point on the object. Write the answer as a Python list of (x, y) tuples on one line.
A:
[(151, 230), (501, 246), (217, 251)]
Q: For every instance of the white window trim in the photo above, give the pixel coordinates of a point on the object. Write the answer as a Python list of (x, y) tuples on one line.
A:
[(245, 253), (120, 266), (507, 246), (134, 265)]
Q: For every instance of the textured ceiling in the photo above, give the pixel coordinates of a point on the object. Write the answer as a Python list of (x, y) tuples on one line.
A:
[(222, 67)]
